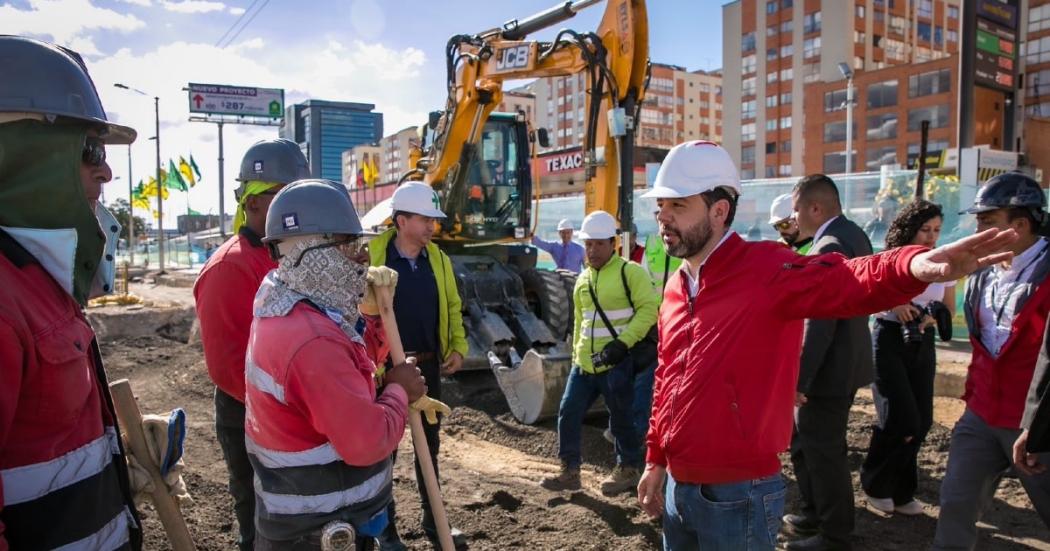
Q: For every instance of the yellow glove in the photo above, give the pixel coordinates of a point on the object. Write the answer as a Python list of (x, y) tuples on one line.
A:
[(430, 407), (378, 276)]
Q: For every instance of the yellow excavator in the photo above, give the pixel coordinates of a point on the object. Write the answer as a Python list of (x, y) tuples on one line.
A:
[(518, 317)]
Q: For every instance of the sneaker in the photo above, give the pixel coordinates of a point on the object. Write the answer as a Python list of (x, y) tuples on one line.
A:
[(608, 436), (567, 479), (620, 480), (883, 504), (801, 525), (911, 508)]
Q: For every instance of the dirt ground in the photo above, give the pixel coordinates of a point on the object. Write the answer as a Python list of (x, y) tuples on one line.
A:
[(490, 467)]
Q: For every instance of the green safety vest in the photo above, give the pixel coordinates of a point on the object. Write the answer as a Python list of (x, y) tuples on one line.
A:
[(659, 263)]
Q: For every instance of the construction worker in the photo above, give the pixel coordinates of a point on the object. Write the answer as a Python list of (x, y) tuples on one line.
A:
[(224, 293), (429, 315), (63, 470), (318, 437), (1006, 307), (657, 263), (615, 306), (567, 254), (730, 341), (782, 218)]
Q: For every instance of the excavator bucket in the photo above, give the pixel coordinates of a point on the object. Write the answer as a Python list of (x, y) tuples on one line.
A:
[(534, 385)]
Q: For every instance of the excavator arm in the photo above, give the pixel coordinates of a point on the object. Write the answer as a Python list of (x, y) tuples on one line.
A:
[(615, 59)]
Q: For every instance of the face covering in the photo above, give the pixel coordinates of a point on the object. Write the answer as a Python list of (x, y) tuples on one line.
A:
[(107, 265), (325, 277)]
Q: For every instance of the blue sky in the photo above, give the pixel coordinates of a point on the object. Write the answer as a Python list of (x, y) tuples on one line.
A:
[(390, 53)]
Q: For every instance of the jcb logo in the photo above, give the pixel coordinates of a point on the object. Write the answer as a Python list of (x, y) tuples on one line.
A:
[(508, 59)]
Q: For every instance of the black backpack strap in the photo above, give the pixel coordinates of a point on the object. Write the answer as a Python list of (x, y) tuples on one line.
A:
[(667, 270), (623, 280), (598, 307)]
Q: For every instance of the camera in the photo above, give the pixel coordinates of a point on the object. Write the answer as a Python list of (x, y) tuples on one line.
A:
[(598, 359), (941, 316)]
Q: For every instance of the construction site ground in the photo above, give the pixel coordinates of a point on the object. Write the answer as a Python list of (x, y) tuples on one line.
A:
[(491, 464)]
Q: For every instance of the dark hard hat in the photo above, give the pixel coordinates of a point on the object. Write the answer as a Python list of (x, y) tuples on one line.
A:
[(1007, 190), (277, 161), (37, 77), (311, 207)]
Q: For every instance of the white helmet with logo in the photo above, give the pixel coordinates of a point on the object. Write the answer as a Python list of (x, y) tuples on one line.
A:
[(598, 225), (781, 210), (694, 167), (565, 224), (416, 198)]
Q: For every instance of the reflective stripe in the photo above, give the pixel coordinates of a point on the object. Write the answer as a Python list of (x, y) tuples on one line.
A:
[(29, 482), (596, 328), (274, 459), (613, 315), (111, 536), (290, 504), (262, 380)]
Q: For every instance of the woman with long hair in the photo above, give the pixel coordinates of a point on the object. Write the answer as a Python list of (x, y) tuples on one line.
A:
[(905, 363)]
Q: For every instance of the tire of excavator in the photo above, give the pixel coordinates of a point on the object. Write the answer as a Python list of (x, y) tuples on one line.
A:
[(568, 278), (545, 293)]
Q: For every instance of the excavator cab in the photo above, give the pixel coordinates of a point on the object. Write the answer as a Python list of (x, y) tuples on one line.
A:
[(499, 183)]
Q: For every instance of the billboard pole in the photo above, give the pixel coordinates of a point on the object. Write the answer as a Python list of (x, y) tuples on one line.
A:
[(226, 104)]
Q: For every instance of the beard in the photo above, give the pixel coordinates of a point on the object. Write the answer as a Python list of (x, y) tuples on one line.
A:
[(690, 241)]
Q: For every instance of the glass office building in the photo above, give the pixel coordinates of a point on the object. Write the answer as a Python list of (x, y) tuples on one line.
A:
[(324, 129)]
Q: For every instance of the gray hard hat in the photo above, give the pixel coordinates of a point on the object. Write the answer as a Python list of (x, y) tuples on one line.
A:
[(277, 161), (311, 207), (45, 79)]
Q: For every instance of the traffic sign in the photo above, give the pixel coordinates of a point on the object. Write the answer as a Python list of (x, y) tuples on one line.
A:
[(246, 101)]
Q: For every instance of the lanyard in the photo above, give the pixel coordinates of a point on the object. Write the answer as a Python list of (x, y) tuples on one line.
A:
[(1020, 279)]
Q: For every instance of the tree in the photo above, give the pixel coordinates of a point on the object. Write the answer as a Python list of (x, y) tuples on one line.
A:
[(121, 210)]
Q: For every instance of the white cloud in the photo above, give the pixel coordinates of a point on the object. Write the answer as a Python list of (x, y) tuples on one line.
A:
[(192, 6), (143, 3), (64, 21), (237, 11), (358, 71)]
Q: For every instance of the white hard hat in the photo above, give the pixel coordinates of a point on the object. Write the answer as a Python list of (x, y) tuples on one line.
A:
[(694, 167), (598, 225), (781, 209), (416, 198), (565, 224)]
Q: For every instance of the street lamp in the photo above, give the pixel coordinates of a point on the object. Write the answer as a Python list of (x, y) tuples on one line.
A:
[(847, 73), (160, 194)]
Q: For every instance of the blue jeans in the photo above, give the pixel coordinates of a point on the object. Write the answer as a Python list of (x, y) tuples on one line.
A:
[(731, 516), (616, 386), (643, 401)]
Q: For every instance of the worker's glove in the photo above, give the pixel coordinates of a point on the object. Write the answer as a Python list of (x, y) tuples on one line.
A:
[(378, 276), (430, 407), (614, 353), (164, 439)]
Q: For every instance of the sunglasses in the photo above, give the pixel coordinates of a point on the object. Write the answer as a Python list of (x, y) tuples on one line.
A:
[(351, 248), (784, 224), (94, 153)]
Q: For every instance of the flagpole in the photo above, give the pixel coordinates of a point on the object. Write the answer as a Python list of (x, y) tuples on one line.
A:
[(131, 214)]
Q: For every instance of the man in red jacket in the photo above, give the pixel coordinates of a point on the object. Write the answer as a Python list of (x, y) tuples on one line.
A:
[(1006, 310), (224, 293), (730, 338), (63, 471)]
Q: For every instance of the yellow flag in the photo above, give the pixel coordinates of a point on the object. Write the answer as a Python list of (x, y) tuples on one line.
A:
[(140, 203), (156, 215), (151, 189), (375, 172), (187, 172)]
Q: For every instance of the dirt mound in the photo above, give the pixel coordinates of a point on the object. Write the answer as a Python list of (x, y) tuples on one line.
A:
[(491, 466)]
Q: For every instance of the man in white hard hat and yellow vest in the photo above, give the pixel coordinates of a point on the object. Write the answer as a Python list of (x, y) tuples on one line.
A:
[(782, 218), (615, 308)]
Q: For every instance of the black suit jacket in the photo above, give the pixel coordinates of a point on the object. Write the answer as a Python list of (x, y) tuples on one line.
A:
[(1037, 408), (836, 353)]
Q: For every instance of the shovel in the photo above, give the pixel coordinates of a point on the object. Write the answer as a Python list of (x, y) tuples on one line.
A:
[(385, 302)]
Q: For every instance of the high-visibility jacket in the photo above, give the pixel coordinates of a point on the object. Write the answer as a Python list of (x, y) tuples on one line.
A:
[(63, 473), (224, 293), (451, 335), (317, 436), (658, 263), (590, 334)]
